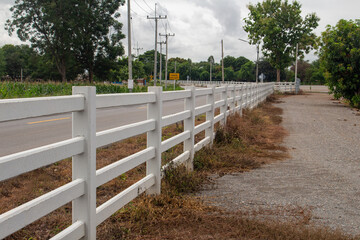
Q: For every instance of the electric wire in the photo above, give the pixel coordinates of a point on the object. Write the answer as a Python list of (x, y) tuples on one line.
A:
[(148, 6), (141, 7)]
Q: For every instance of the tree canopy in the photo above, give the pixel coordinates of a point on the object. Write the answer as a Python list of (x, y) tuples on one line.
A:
[(279, 26), (69, 30), (340, 56)]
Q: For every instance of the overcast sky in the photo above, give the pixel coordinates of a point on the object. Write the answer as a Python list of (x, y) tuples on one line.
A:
[(199, 25)]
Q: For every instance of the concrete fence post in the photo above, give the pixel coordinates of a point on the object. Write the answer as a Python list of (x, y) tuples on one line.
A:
[(189, 123), (84, 165), (153, 166), (209, 132)]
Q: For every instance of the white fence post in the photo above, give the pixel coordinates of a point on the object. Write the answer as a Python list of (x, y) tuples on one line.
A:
[(153, 166), (84, 165), (241, 99), (223, 109), (209, 132), (233, 95), (189, 124), (247, 105)]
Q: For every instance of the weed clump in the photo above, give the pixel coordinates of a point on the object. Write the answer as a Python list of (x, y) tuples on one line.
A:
[(177, 180)]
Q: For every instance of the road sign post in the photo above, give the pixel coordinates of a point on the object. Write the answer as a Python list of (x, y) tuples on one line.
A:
[(174, 76)]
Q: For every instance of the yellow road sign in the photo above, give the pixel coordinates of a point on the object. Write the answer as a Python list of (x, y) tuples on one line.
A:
[(174, 76)]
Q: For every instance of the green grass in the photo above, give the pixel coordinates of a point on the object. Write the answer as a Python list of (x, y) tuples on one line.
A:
[(27, 90)]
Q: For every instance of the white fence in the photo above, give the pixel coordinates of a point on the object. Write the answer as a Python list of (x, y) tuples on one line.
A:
[(81, 191), (279, 86), (285, 86)]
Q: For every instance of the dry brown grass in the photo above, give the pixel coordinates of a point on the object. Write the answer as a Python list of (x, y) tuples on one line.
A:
[(245, 143)]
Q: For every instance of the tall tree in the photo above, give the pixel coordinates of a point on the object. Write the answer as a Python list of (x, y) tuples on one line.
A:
[(47, 25), (279, 26), (302, 68), (247, 72), (2, 64), (97, 32), (269, 71), (340, 56)]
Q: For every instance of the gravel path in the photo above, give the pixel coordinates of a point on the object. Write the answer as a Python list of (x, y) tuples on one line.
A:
[(323, 174)]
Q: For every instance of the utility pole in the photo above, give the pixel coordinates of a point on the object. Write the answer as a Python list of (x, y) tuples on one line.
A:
[(211, 63), (296, 62), (156, 18), (161, 43), (257, 63), (257, 58), (166, 35), (130, 80), (137, 49), (222, 62)]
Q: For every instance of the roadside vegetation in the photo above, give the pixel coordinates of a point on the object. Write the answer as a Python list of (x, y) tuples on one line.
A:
[(244, 144), (340, 58), (25, 90)]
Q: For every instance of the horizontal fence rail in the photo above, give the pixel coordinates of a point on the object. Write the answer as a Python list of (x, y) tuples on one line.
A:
[(279, 86), (81, 191)]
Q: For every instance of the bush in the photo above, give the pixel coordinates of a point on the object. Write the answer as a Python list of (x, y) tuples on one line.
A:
[(340, 56)]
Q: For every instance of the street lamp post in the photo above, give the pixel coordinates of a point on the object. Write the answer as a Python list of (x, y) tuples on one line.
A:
[(257, 58)]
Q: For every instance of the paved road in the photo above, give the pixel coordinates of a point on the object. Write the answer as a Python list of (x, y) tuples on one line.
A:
[(323, 174), (315, 88), (28, 133)]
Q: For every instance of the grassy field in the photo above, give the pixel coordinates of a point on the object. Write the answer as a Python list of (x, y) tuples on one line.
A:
[(244, 144), (26, 90)]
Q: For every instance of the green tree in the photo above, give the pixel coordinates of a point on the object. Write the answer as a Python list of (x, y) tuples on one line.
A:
[(240, 61), (315, 74), (247, 72), (279, 26), (269, 71), (229, 61), (302, 68), (2, 64), (122, 71), (229, 74), (18, 58), (47, 25), (204, 76), (340, 56), (147, 58), (97, 33)]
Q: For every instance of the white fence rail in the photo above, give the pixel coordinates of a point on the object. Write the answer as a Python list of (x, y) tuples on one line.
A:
[(279, 86), (285, 86), (81, 191)]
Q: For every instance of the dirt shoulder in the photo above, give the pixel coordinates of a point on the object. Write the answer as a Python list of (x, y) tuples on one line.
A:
[(321, 179)]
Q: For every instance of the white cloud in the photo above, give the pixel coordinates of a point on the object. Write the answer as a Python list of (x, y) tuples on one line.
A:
[(200, 25)]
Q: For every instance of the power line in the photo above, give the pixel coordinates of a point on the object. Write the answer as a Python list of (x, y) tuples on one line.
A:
[(143, 16), (132, 29), (156, 18), (163, 11), (152, 25), (148, 6), (163, 25), (169, 25), (141, 7)]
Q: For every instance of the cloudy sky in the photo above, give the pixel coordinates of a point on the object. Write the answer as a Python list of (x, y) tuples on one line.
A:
[(199, 25)]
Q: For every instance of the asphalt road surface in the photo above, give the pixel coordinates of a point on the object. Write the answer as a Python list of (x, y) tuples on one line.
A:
[(29, 133), (322, 176)]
